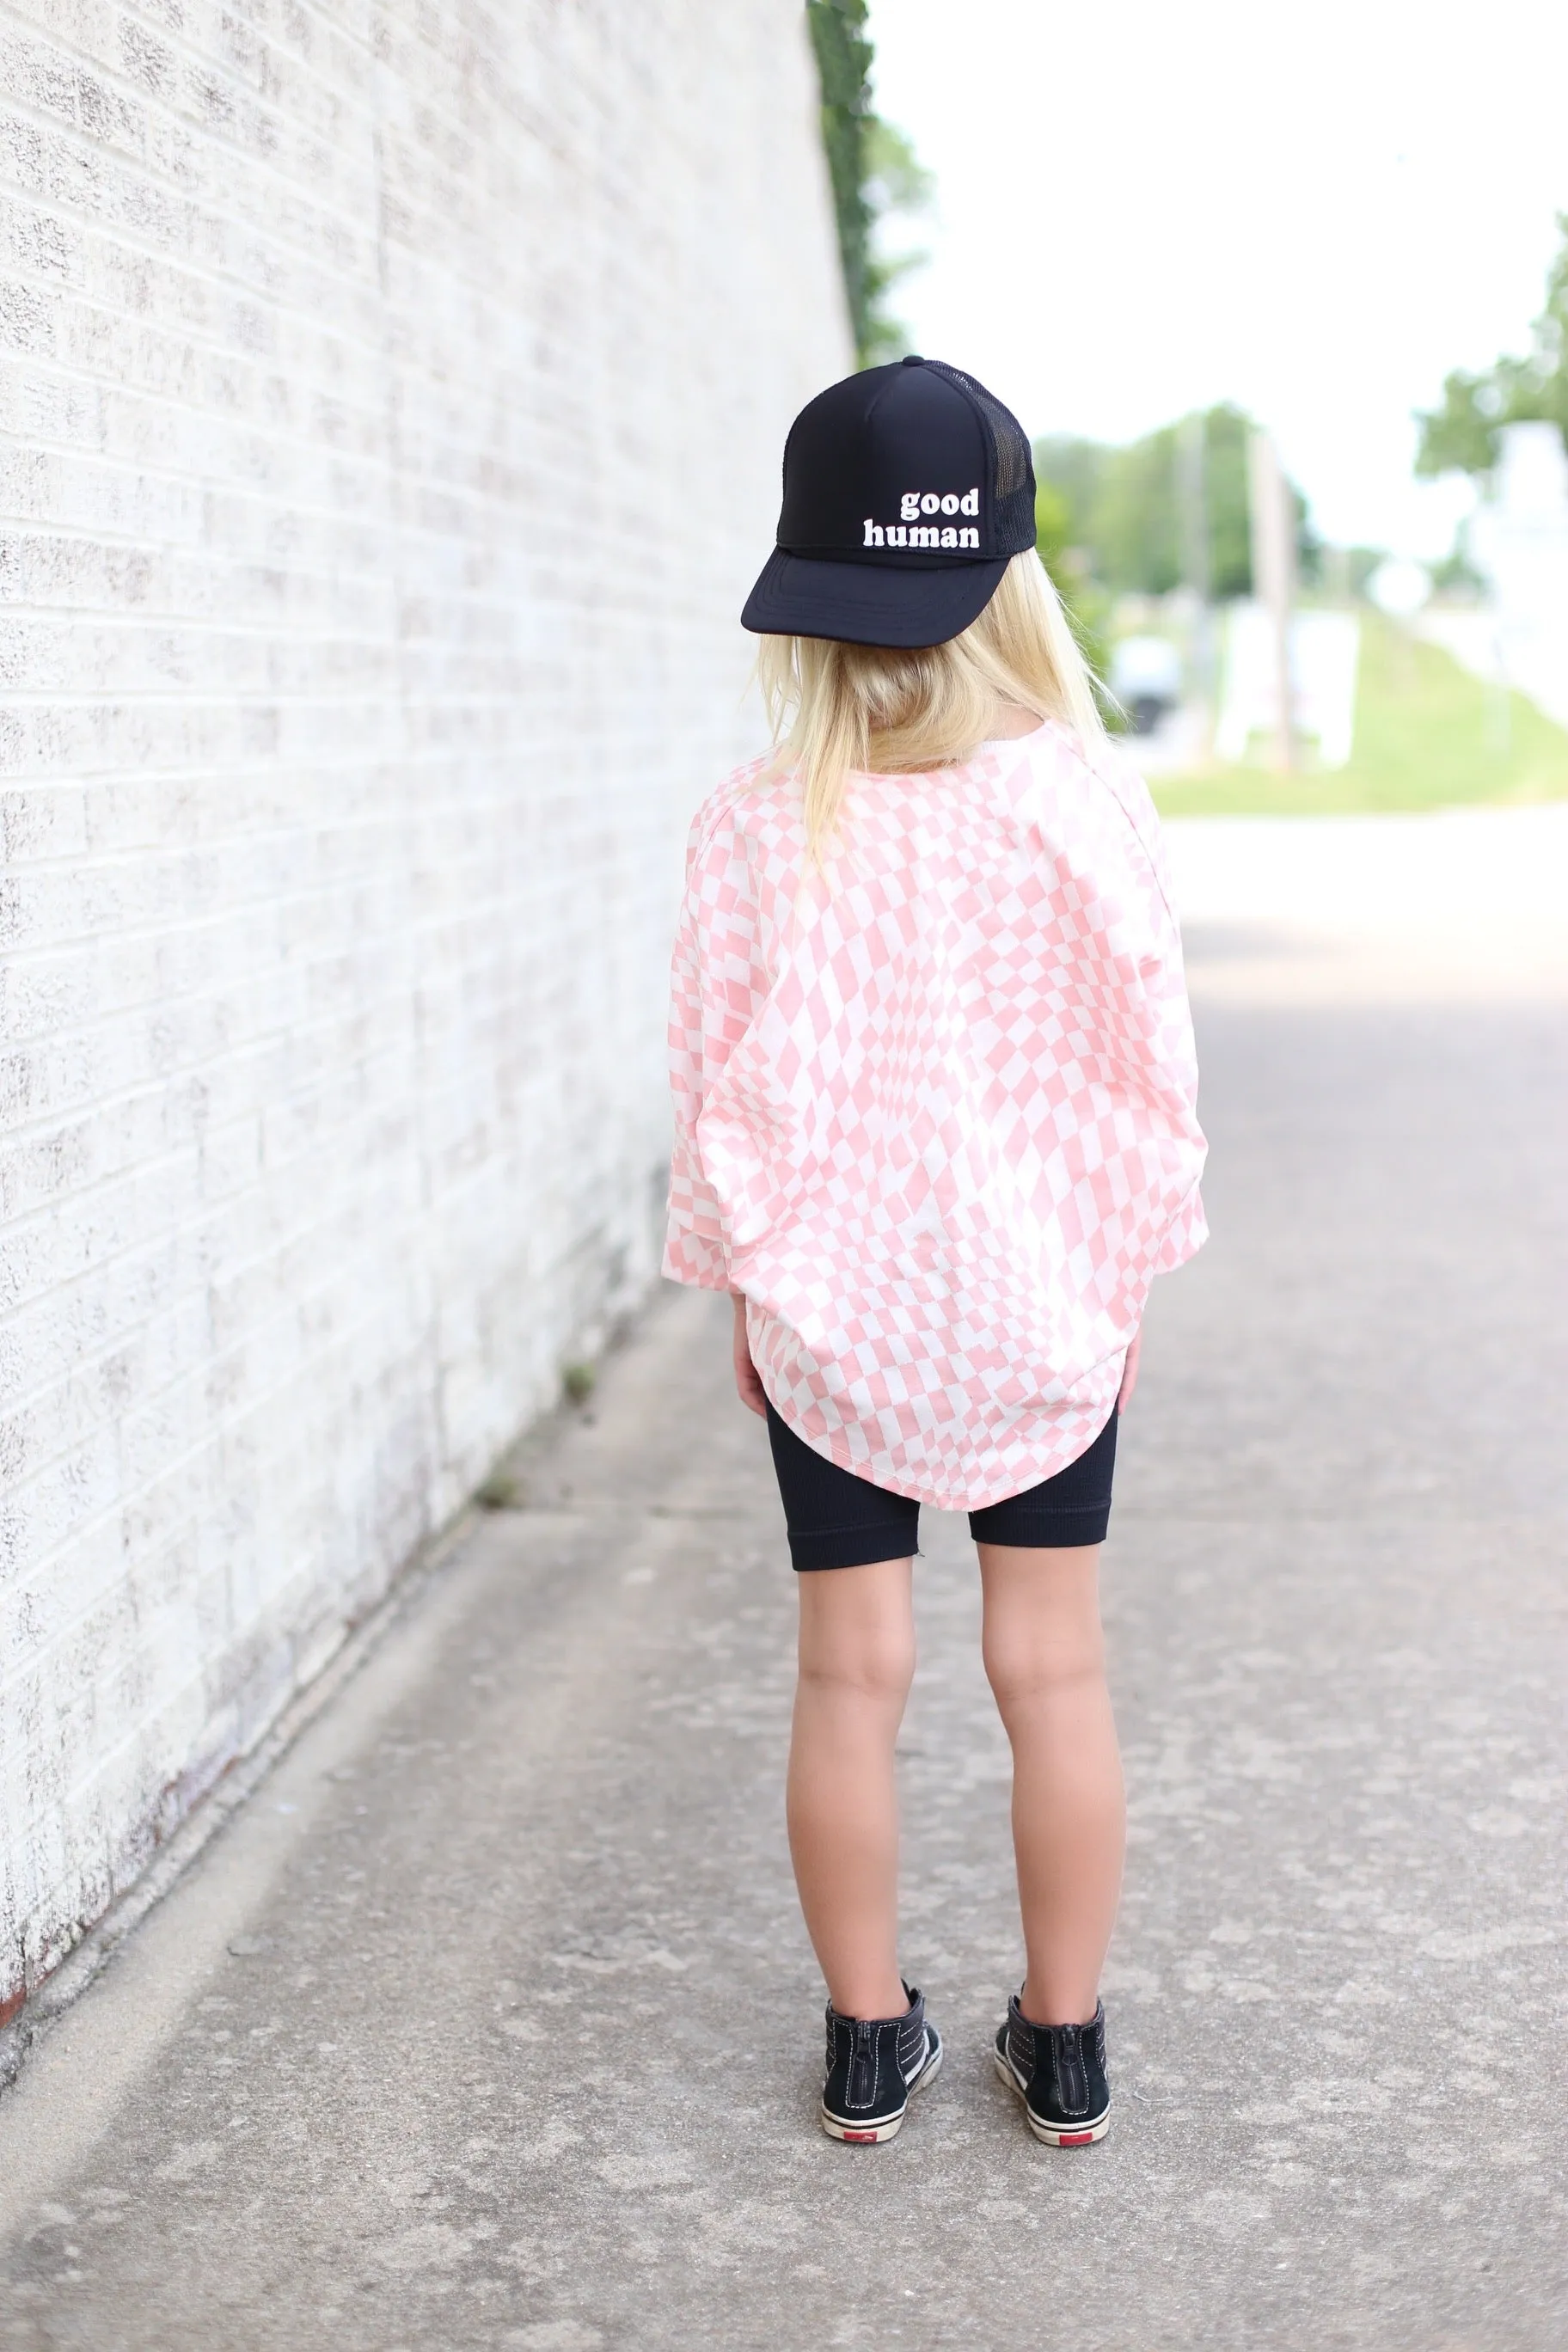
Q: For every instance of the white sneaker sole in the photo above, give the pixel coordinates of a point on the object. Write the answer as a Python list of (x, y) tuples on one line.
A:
[(1077, 2136), (874, 2134)]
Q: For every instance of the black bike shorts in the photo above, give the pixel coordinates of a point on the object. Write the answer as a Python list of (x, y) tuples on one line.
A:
[(838, 1520)]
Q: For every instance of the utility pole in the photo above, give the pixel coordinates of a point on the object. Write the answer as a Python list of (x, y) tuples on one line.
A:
[(1274, 577), (1191, 507)]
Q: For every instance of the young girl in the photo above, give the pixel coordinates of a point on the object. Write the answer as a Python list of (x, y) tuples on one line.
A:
[(935, 1089)]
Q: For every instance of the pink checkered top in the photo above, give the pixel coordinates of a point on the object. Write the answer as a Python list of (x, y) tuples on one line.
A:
[(935, 1108)]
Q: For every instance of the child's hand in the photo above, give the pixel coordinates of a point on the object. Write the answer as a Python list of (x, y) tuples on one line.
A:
[(1129, 1373), (748, 1387)]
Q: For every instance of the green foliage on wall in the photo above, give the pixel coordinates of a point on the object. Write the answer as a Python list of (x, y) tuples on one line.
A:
[(843, 65), (873, 169)]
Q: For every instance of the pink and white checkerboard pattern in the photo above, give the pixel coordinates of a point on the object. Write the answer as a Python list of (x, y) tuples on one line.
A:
[(935, 1110)]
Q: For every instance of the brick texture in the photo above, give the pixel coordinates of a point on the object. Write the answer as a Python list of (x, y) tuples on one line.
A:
[(392, 402)]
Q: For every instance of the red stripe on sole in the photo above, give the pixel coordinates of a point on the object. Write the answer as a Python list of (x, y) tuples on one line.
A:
[(1075, 2139), (872, 2137)]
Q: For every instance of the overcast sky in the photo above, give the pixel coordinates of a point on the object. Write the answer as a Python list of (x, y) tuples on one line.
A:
[(1143, 208)]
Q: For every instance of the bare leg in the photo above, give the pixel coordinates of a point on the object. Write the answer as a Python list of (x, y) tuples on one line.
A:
[(856, 1660), (1045, 1656)]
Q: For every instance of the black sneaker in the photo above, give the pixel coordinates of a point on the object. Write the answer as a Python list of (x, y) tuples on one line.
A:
[(873, 2065), (1059, 2072)]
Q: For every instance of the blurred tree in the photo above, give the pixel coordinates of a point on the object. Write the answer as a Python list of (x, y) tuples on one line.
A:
[(1460, 435), (1226, 432), (873, 169), (1072, 468), (1361, 562), (1123, 505), (1086, 602), (1456, 575), (1134, 524), (1053, 523)]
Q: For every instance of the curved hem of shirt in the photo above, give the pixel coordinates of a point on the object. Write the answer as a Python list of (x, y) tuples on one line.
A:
[(919, 1494), (672, 1271)]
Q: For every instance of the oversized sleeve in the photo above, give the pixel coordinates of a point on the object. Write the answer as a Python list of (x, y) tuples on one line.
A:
[(1176, 1058), (1178, 1138), (715, 986), (1185, 1234)]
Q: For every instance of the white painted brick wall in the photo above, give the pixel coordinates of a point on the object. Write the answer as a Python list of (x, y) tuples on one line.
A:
[(393, 396)]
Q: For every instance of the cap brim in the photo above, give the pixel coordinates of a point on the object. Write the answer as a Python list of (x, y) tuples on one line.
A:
[(869, 604)]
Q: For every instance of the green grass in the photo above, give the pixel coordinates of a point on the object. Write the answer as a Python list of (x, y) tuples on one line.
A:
[(1427, 735)]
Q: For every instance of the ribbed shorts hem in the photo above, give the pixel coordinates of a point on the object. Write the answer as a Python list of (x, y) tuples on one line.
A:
[(1057, 1530), (850, 1547), (1039, 1531)]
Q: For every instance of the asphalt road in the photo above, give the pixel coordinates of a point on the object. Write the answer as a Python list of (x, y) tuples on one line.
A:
[(489, 2021)]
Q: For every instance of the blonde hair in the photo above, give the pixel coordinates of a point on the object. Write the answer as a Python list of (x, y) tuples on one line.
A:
[(836, 707)]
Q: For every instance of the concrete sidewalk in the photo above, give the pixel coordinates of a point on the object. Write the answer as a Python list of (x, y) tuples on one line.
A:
[(489, 2021)]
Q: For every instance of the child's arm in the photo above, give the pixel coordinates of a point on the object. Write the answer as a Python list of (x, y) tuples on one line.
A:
[(1129, 1373), (748, 1385), (712, 994)]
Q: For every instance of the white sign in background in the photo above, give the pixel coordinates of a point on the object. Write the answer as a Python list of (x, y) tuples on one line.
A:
[(1325, 649)]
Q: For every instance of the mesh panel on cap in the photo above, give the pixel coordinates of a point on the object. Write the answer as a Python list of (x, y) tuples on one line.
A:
[(1012, 462)]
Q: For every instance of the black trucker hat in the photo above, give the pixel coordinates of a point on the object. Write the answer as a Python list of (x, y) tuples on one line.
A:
[(907, 491)]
